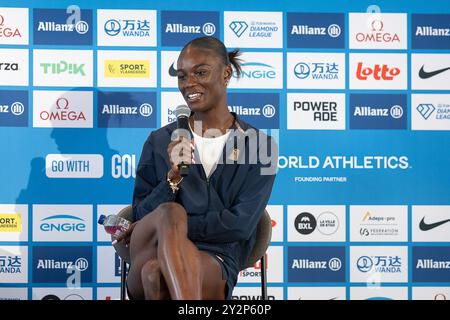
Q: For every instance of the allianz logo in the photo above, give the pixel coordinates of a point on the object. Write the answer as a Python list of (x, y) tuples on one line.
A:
[(81, 264), (80, 27), (432, 264), (257, 70), (267, 111), (334, 264), (333, 30), (208, 28), (395, 112), (144, 109), (62, 223)]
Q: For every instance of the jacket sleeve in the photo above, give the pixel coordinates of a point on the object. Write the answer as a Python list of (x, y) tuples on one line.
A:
[(149, 192), (238, 222)]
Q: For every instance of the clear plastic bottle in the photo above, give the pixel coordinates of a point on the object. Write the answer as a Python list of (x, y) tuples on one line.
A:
[(113, 224)]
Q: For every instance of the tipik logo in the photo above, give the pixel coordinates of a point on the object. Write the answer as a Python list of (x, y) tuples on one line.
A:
[(8, 32), (425, 110), (425, 75), (428, 226), (63, 67), (305, 223), (238, 27), (378, 72), (129, 28)]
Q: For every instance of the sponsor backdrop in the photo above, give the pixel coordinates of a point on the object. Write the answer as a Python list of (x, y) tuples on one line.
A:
[(356, 94)]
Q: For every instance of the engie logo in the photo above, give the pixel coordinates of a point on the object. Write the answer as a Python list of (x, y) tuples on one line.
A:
[(259, 109), (378, 111), (315, 30), (62, 223), (14, 264), (316, 264), (14, 67), (179, 27), (61, 26), (260, 71), (13, 108), (430, 31), (430, 112), (378, 71), (126, 109), (431, 264), (311, 111), (246, 29), (378, 264), (126, 68), (377, 31), (126, 28), (56, 264), (316, 70), (62, 109), (14, 26), (63, 68)]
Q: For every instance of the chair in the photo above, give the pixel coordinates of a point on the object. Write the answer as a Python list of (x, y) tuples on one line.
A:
[(263, 236)]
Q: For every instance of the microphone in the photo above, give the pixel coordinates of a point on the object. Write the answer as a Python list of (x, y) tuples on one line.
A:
[(182, 113)]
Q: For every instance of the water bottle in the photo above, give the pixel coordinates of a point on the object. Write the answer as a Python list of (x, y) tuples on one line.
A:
[(114, 225)]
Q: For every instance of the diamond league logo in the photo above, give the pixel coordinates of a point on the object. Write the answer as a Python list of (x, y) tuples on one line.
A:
[(425, 110), (238, 27)]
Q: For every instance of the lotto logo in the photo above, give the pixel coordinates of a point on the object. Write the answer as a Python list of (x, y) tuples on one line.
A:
[(378, 72)]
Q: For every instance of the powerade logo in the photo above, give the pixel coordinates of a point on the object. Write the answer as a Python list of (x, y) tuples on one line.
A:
[(431, 264), (316, 264), (179, 27), (60, 26), (261, 110), (13, 108), (430, 31), (315, 30), (126, 109), (56, 264), (378, 111), (62, 223)]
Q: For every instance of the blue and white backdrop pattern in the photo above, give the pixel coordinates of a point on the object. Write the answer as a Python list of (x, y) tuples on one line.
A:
[(356, 94)]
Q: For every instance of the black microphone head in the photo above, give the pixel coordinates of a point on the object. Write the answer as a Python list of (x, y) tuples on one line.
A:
[(182, 111)]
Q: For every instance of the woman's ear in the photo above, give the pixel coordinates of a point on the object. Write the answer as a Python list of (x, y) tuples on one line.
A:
[(227, 74)]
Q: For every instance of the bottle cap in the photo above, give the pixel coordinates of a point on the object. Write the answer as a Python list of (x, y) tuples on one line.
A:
[(101, 219)]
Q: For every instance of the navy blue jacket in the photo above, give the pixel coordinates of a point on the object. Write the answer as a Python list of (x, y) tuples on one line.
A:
[(224, 210)]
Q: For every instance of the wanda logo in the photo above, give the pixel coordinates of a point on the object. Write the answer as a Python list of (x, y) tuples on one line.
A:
[(377, 72), (62, 112)]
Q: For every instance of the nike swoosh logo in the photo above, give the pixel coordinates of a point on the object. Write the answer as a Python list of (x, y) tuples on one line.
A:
[(172, 71), (425, 75), (425, 226)]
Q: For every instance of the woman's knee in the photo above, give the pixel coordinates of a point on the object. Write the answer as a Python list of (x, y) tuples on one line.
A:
[(172, 214)]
